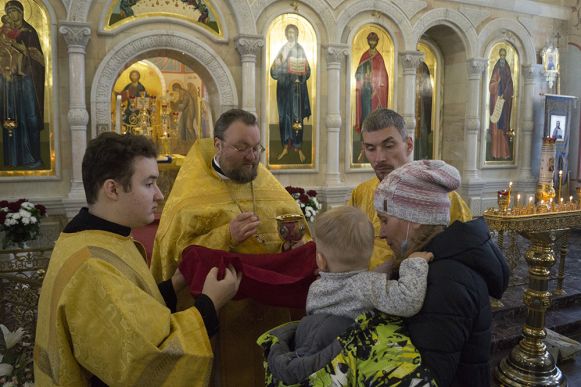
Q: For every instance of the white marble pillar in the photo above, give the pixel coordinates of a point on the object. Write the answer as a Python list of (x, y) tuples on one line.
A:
[(335, 56), (76, 36), (249, 47), (410, 61), (475, 68), (530, 75)]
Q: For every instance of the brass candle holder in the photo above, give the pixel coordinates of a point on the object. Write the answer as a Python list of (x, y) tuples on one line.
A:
[(529, 363)]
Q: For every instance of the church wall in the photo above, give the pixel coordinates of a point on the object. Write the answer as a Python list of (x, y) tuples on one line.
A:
[(334, 23)]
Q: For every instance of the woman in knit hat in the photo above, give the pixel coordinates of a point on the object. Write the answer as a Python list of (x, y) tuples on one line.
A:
[(453, 329)]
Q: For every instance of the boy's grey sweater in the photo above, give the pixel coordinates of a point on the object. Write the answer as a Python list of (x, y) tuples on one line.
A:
[(352, 293)]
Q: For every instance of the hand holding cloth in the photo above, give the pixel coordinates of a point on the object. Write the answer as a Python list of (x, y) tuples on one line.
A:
[(279, 279)]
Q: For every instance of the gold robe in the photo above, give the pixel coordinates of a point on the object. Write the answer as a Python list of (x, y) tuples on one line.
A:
[(101, 313), (362, 198), (198, 211)]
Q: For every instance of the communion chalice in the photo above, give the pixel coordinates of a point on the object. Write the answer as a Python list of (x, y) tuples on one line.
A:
[(291, 228)]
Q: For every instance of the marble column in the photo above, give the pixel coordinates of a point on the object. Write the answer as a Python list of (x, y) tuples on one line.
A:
[(410, 61), (249, 47), (76, 36), (475, 68), (335, 56), (530, 76)]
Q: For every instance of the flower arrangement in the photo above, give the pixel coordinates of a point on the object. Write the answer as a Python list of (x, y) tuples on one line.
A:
[(307, 200), (20, 221), (15, 369)]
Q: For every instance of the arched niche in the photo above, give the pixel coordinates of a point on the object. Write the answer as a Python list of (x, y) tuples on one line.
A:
[(384, 14), (196, 55), (512, 31), (450, 46)]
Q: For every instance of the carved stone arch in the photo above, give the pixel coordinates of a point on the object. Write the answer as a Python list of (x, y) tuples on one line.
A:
[(221, 83), (245, 20), (453, 19), (78, 10), (508, 29), (319, 9), (386, 9)]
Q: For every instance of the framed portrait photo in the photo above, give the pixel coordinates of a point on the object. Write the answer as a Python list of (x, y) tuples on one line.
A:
[(557, 126)]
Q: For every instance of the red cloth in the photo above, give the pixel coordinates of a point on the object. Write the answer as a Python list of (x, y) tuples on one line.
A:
[(280, 279)]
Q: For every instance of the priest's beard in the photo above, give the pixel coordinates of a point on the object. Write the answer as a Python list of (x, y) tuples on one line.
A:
[(242, 173)]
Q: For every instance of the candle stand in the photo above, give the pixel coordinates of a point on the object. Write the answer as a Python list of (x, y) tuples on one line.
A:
[(529, 363)]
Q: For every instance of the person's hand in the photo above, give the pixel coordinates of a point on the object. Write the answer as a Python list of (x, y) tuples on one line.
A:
[(385, 267), (243, 226), (298, 243), (178, 281), (428, 256), (221, 291)]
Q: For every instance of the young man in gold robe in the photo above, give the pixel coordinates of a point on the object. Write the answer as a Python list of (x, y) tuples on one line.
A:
[(223, 198), (387, 147), (102, 319)]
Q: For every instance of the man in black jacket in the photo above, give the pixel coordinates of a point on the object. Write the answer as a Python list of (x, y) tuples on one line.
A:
[(453, 329)]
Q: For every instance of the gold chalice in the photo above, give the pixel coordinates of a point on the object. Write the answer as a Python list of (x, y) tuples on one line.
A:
[(291, 228)]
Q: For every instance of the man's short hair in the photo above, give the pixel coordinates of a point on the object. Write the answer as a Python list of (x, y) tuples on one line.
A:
[(384, 118), (345, 236), (231, 116), (110, 156)]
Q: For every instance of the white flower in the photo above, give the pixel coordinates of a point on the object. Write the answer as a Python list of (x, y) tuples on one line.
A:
[(33, 219), (25, 220), (15, 215), (5, 209), (24, 214), (6, 370), (27, 205), (11, 338)]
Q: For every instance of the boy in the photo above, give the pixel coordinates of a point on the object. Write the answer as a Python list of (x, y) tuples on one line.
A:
[(346, 289), (102, 319)]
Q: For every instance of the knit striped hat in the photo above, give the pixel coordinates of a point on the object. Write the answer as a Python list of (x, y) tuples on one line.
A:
[(418, 192)]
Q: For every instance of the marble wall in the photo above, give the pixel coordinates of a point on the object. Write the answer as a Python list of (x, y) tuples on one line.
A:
[(233, 65)]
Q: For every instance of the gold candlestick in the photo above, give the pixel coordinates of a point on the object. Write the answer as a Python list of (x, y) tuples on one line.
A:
[(529, 363)]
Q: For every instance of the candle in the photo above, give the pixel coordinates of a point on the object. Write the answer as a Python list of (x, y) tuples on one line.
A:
[(517, 200), (560, 181), (510, 186), (571, 199), (118, 114)]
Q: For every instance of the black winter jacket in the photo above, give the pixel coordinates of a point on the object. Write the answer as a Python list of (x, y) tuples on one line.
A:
[(453, 329)]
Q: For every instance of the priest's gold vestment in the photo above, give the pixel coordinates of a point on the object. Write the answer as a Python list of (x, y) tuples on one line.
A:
[(199, 210), (101, 313), (362, 198)]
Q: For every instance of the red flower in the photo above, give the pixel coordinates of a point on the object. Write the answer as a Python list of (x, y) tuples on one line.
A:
[(14, 206), (41, 209), (304, 198), (2, 218), (3, 203), (312, 193)]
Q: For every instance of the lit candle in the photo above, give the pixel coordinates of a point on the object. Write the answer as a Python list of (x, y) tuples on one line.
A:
[(517, 200), (560, 181), (571, 199), (510, 186), (530, 200)]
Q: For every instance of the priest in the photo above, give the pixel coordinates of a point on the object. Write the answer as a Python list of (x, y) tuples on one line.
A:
[(224, 199)]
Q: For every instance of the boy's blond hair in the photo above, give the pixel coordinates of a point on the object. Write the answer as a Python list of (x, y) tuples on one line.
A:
[(345, 236)]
